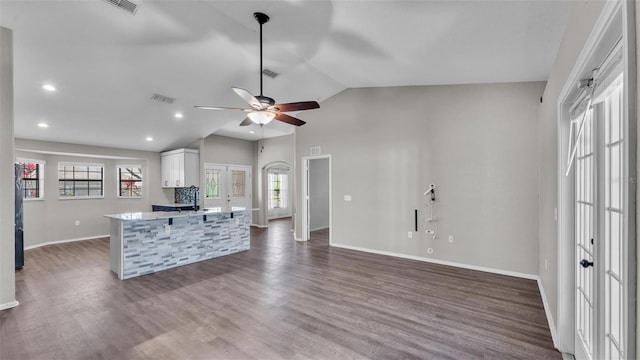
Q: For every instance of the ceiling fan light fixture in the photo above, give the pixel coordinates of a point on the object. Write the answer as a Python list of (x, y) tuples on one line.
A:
[(261, 117)]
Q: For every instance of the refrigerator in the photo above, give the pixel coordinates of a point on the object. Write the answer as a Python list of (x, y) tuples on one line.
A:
[(19, 218)]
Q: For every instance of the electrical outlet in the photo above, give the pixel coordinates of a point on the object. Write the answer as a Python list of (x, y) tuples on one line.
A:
[(429, 232), (450, 238), (167, 229), (77, 222), (410, 235)]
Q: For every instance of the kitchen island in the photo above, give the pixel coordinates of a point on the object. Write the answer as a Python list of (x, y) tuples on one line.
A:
[(147, 242)]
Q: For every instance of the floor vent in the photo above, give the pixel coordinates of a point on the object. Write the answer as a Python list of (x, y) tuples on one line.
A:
[(270, 73), (162, 98), (124, 5)]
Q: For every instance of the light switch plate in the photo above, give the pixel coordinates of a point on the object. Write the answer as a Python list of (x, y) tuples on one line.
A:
[(347, 198)]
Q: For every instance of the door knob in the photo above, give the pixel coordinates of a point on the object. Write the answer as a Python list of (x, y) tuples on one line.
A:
[(585, 263)]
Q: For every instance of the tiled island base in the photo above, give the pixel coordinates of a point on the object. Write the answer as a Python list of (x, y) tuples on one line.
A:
[(144, 243)]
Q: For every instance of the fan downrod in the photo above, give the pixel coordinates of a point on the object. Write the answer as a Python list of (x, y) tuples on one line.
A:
[(262, 18)]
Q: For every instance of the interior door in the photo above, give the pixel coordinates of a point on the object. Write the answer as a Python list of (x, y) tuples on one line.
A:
[(585, 212), (600, 238)]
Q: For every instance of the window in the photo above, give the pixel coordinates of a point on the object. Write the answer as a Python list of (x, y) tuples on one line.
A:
[(129, 181), (277, 190), (32, 179), (212, 183), (238, 183), (77, 180)]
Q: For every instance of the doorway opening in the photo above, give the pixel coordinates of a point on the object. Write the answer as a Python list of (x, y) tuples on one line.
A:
[(278, 191), (316, 198)]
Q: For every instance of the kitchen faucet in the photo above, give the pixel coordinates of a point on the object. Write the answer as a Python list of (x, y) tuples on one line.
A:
[(194, 190)]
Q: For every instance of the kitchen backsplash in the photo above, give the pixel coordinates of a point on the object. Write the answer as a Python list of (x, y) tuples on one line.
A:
[(185, 195)]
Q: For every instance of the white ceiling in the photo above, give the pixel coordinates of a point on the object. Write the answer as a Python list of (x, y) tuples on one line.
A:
[(107, 63)]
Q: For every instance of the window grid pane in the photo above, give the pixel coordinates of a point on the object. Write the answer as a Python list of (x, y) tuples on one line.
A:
[(31, 180), (80, 180), (130, 181)]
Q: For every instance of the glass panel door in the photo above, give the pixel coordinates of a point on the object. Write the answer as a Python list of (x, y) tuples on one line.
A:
[(585, 162), (614, 289)]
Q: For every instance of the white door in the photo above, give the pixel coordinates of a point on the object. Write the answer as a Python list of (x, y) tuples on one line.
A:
[(600, 223), (227, 187), (585, 166)]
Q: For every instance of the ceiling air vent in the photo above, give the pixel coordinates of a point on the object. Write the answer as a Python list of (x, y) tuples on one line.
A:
[(270, 73), (124, 5), (162, 98)]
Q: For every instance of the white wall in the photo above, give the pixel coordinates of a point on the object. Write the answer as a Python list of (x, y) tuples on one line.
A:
[(477, 143), (216, 149), (7, 189), (318, 194), (52, 219), (225, 150), (580, 25)]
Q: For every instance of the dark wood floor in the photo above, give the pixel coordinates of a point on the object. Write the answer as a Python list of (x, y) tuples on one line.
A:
[(280, 300)]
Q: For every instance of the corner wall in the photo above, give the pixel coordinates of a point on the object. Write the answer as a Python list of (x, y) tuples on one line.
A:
[(269, 151), (476, 143), (7, 173)]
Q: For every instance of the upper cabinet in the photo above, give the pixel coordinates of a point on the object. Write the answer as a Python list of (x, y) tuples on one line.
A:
[(180, 168)]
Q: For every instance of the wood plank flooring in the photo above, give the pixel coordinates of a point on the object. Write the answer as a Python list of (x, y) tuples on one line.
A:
[(280, 300)]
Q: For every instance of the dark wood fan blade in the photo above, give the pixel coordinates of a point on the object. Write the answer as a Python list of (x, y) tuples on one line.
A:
[(297, 106), (289, 119), (246, 96), (246, 122), (220, 108)]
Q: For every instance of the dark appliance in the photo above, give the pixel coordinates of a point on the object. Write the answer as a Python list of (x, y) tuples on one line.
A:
[(19, 216)]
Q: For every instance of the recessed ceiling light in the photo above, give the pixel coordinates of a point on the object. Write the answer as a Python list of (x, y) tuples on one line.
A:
[(149, 138), (178, 115), (49, 87), (252, 132), (43, 125)]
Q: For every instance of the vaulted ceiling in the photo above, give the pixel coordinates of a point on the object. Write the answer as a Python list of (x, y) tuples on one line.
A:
[(106, 63)]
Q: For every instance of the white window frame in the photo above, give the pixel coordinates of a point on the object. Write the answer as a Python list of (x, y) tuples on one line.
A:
[(124, 166), (83, 197), (41, 164)]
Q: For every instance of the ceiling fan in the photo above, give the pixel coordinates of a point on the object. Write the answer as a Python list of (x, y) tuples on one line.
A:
[(263, 108)]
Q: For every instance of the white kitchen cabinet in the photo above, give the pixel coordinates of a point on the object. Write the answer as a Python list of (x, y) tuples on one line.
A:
[(180, 168)]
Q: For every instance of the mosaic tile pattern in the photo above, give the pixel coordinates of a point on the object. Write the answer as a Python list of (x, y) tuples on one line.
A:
[(149, 248), (185, 195)]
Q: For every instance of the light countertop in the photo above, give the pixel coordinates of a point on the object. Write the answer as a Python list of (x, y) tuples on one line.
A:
[(169, 214), (174, 205)]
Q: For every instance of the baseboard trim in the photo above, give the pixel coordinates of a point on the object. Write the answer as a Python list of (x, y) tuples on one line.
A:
[(547, 311), (320, 228), (279, 217), (441, 262), (9, 305), (259, 226), (65, 241)]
